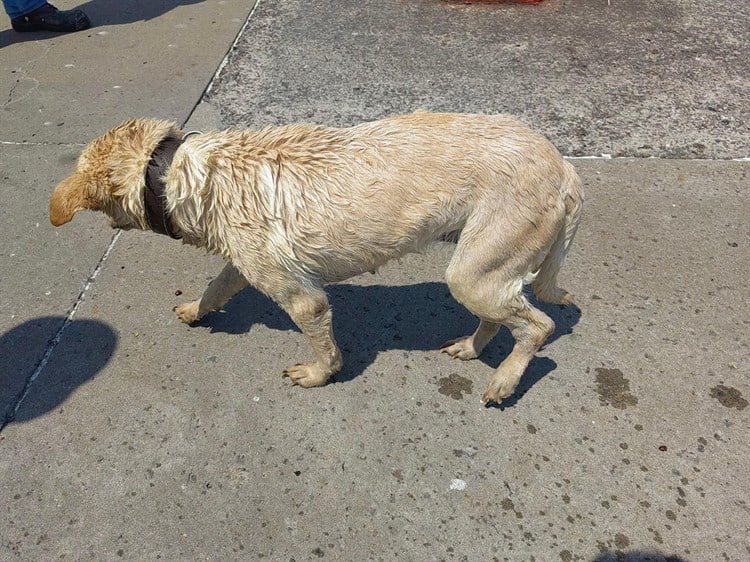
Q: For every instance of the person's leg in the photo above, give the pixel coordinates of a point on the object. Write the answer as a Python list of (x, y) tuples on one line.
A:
[(16, 8), (44, 17)]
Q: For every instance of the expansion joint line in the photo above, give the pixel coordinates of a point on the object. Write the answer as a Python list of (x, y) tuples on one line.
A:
[(225, 60), (58, 336), (27, 143)]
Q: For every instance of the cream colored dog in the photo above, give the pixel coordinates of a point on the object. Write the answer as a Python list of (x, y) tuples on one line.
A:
[(293, 208)]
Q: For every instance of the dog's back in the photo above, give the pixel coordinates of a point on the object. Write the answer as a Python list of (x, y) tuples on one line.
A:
[(343, 201)]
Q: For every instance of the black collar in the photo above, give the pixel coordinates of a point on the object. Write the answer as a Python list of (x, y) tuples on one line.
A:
[(153, 196)]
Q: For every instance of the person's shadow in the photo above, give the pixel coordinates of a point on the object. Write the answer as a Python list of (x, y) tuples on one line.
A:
[(101, 13), (374, 318), (34, 381)]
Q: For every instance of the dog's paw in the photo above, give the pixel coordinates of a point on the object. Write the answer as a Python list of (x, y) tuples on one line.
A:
[(557, 296), (307, 375), (566, 298), (498, 390), (460, 348), (187, 312)]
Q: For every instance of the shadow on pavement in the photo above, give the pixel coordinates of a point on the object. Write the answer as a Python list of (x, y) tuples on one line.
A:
[(637, 556), (101, 13), (108, 12), (87, 346), (370, 319)]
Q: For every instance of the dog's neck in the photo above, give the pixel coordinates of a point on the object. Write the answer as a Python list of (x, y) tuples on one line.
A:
[(154, 199)]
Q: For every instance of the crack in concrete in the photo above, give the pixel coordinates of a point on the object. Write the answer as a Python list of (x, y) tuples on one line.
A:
[(16, 85), (26, 143), (11, 92), (23, 75)]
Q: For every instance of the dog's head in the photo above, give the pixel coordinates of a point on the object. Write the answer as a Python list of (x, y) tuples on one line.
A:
[(109, 176)]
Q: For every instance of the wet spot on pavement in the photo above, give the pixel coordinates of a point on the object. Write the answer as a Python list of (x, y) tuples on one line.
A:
[(508, 505), (455, 386), (729, 397), (621, 541), (613, 388)]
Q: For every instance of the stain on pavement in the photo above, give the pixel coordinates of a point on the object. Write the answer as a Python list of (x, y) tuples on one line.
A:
[(455, 386), (613, 388), (729, 397)]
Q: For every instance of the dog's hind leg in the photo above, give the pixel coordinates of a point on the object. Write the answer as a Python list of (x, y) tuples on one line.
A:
[(530, 328), (311, 312), (227, 284), (490, 286)]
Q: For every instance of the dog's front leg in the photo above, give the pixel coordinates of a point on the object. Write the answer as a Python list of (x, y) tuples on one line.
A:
[(227, 284), (312, 313)]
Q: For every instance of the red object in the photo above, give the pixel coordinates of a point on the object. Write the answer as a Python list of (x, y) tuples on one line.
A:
[(494, 1)]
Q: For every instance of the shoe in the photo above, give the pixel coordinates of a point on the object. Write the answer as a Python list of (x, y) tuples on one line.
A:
[(49, 18)]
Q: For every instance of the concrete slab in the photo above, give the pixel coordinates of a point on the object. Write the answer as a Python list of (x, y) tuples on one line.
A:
[(142, 438), (60, 91), (634, 78), (150, 59), (151, 439)]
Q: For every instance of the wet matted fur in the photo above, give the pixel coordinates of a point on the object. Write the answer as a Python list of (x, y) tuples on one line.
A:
[(295, 207)]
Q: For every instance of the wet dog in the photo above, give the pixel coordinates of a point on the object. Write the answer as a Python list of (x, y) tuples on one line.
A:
[(295, 207)]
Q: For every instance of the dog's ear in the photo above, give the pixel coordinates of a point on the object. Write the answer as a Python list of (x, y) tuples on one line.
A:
[(69, 197)]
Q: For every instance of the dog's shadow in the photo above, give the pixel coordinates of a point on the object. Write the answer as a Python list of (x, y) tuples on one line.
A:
[(369, 319)]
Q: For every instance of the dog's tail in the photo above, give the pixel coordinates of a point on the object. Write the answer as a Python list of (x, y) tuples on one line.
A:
[(545, 281)]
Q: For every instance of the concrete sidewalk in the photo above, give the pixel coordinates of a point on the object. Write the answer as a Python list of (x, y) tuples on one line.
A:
[(59, 92), (132, 436)]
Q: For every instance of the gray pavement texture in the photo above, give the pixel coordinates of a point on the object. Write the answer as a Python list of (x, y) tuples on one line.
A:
[(632, 78), (128, 435)]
